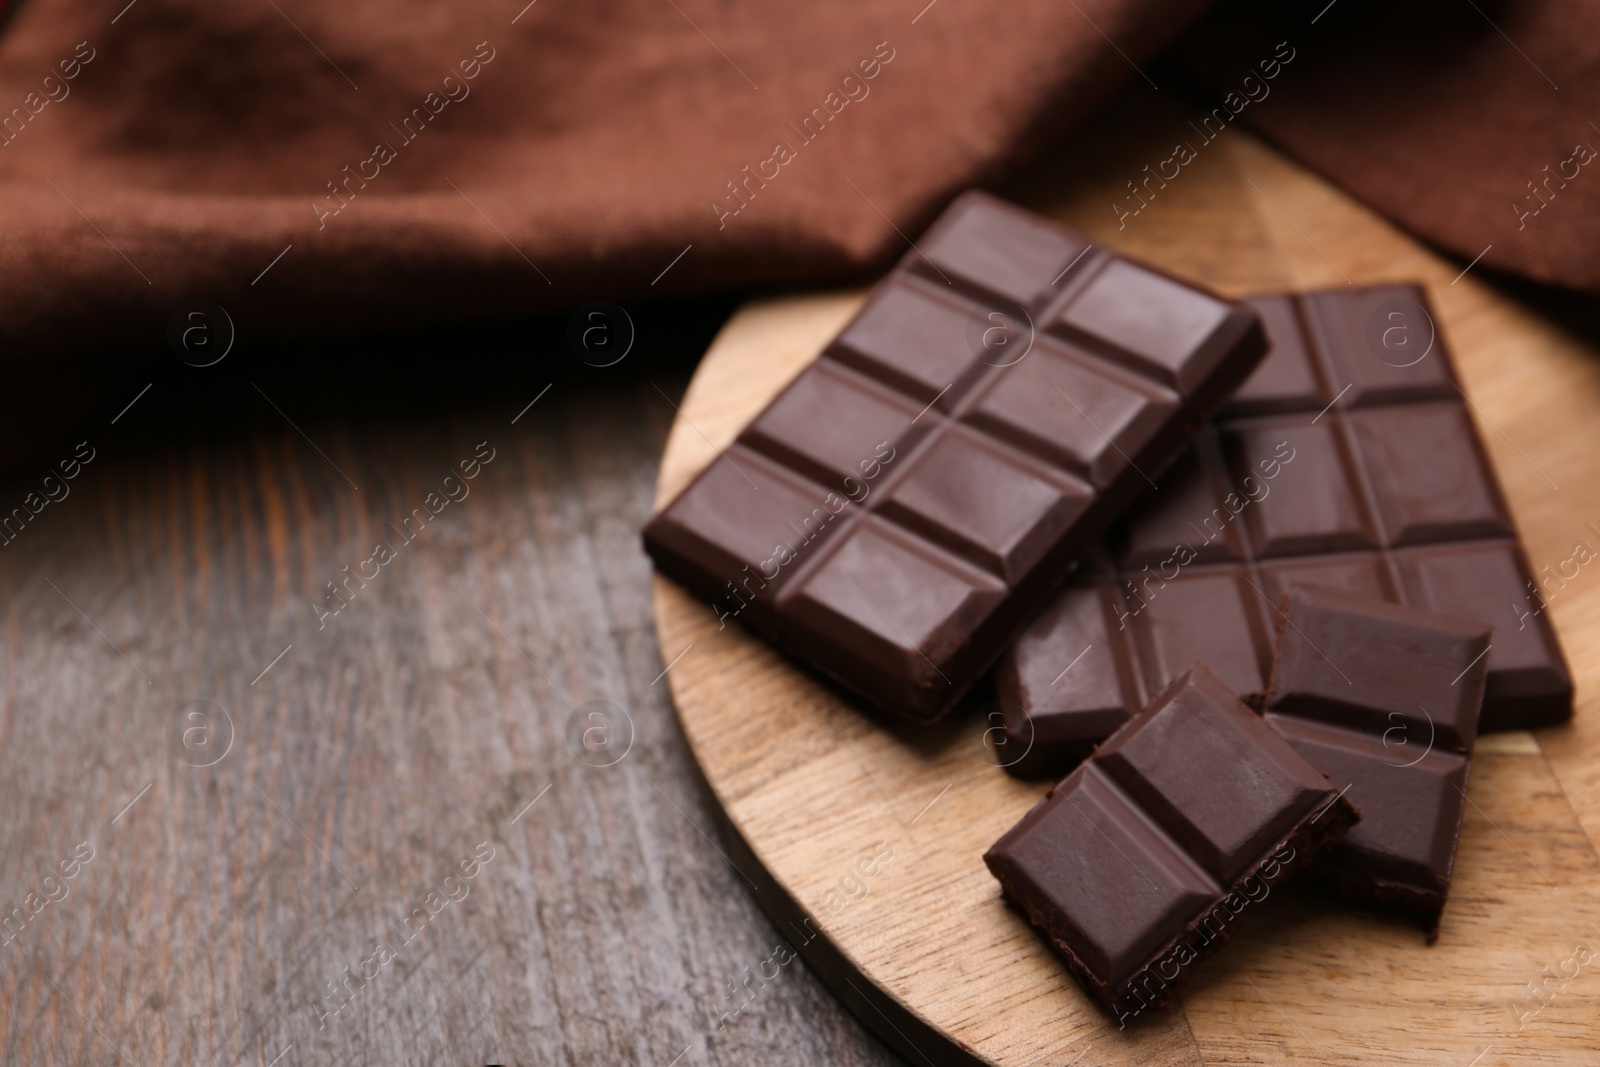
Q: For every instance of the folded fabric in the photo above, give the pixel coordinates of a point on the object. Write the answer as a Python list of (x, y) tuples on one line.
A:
[(1472, 124), (319, 169), (414, 161)]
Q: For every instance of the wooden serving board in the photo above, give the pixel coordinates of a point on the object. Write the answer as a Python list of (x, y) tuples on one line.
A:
[(864, 839)]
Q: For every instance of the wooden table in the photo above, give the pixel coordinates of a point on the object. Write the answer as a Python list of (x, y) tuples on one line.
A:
[(429, 722)]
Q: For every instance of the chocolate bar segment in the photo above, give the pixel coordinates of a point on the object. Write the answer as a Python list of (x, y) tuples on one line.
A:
[(1348, 460), (1141, 862), (1385, 699), (914, 497)]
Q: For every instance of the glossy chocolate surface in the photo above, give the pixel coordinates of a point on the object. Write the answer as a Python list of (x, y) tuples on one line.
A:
[(1385, 700), (900, 511), (1142, 861), (1348, 460)]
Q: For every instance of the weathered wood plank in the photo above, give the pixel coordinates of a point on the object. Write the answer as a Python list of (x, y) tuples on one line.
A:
[(376, 750)]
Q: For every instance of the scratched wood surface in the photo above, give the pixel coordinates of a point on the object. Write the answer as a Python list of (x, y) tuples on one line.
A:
[(219, 891), (924, 950)]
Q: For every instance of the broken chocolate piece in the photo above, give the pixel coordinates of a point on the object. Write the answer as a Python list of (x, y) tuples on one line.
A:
[(1141, 861), (1385, 699)]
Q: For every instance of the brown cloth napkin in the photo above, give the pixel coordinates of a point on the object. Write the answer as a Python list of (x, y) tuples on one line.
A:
[(413, 161), (1474, 123), (319, 168)]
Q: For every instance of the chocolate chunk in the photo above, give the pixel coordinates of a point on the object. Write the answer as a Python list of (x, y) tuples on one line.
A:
[(917, 494), (1141, 862), (1385, 699), (1347, 460)]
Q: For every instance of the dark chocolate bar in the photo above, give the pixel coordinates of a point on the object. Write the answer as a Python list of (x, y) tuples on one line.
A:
[(1347, 460), (1385, 700), (1141, 862), (903, 508)]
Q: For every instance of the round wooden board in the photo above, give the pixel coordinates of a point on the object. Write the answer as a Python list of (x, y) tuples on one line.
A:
[(864, 839)]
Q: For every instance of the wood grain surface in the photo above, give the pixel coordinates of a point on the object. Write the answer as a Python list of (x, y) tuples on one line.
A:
[(923, 948), (430, 721)]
